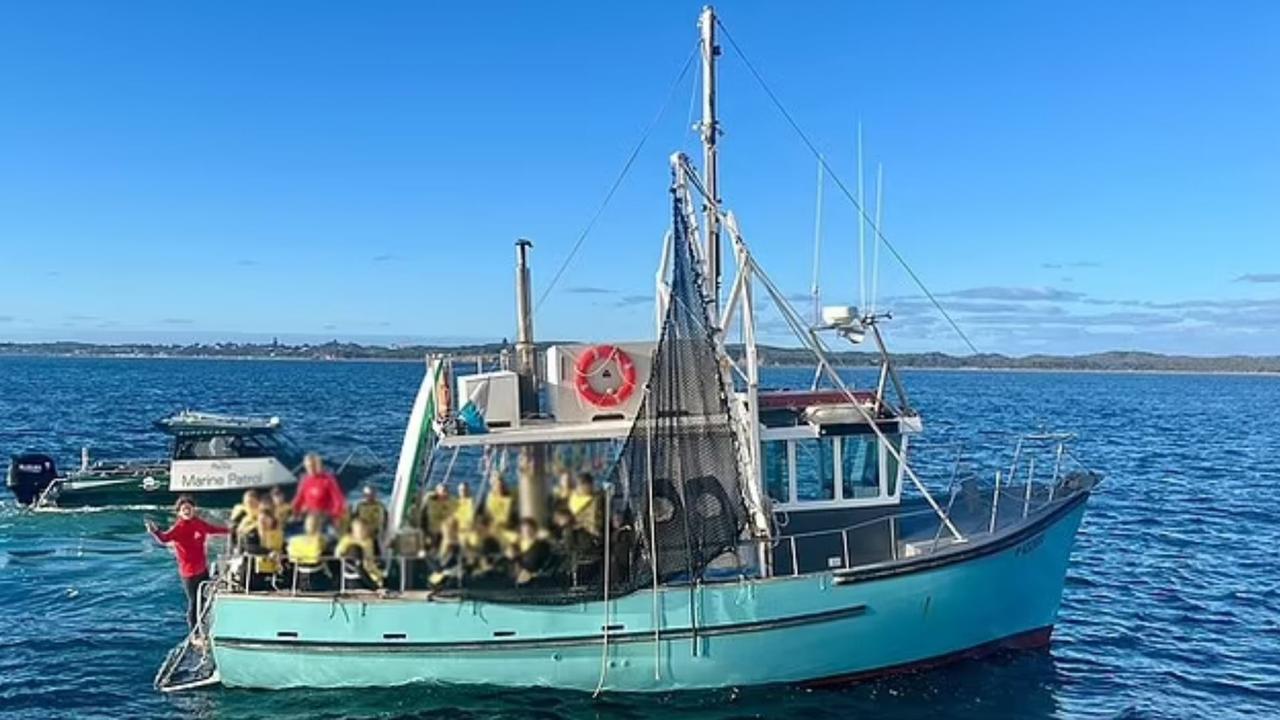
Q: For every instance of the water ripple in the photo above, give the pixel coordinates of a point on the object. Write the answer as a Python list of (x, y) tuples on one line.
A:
[(1171, 607)]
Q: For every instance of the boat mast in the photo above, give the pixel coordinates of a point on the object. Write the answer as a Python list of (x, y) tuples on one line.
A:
[(710, 174)]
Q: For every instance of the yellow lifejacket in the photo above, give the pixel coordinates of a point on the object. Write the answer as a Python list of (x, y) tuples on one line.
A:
[(240, 512), (465, 513), (499, 508), (306, 549), (438, 510), (372, 514), (585, 508), (283, 512), (271, 540), (248, 520), (368, 555)]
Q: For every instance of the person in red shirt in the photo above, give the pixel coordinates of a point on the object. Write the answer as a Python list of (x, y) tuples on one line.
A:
[(319, 492), (188, 537)]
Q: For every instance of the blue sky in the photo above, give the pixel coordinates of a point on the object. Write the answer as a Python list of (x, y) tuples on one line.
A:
[(1067, 177)]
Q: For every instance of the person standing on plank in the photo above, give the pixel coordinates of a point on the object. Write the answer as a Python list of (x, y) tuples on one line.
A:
[(188, 537)]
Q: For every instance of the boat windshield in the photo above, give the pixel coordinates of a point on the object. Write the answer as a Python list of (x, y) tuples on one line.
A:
[(229, 446)]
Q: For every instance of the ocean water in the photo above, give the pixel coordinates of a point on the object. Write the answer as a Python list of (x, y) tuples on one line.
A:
[(1171, 609)]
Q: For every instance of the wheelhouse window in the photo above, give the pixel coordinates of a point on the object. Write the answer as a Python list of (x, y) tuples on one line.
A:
[(860, 466), (834, 470), (214, 447), (250, 446), (777, 471), (815, 469), (226, 447), (891, 465)]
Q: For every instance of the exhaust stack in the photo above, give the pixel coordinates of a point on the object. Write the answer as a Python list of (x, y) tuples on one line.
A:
[(526, 358), (532, 487)]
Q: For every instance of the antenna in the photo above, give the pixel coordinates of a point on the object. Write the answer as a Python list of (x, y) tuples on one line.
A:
[(875, 251), (814, 290), (862, 231)]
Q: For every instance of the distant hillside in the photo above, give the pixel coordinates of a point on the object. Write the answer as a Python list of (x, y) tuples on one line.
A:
[(1116, 361), (332, 350)]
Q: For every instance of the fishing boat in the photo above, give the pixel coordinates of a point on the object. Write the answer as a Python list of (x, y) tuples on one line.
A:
[(213, 457), (752, 536)]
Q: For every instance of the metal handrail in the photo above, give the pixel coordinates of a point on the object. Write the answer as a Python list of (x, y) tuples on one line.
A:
[(864, 523), (368, 452), (295, 570), (1025, 496)]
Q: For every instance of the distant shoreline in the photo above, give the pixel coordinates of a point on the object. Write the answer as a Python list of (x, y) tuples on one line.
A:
[(1089, 371), (1133, 363), (234, 358)]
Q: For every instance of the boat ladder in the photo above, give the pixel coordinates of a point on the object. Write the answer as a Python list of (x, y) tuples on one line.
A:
[(190, 664)]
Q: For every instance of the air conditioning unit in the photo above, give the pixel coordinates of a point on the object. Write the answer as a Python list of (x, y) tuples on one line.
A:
[(605, 381), (496, 395)]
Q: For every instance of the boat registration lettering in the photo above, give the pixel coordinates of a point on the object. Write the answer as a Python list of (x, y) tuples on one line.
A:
[(1029, 546)]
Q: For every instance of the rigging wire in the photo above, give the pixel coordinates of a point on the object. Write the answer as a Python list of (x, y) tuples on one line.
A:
[(862, 213), (875, 255), (617, 182), (815, 289), (862, 233)]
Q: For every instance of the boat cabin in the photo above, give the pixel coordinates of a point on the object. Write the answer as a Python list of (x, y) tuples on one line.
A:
[(822, 468), (222, 452)]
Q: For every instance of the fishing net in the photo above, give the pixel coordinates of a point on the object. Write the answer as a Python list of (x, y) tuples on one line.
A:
[(679, 470)]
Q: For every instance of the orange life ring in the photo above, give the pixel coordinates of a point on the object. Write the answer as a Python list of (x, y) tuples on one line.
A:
[(586, 367)]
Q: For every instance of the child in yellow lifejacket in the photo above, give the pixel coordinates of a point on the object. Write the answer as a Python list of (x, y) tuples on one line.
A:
[(306, 552), (500, 505), (244, 516), (359, 554), (587, 507), (264, 543), (436, 509), (371, 510), (464, 509), (448, 557), (281, 506)]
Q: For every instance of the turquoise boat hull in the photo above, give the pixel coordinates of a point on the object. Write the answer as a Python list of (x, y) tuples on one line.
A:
[(821, 627)]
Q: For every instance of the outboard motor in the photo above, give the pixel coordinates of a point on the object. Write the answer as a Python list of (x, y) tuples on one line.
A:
[(30, 474)]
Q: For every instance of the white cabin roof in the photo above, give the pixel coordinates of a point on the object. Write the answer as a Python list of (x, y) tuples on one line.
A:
[(535, 431)]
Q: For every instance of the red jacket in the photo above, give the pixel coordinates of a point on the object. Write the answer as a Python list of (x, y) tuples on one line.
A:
[(188, 538), (320, 493)]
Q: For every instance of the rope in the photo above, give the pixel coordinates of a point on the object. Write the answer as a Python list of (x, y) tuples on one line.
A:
[(656, 618), (617, 182), (604, 647), (844, 189)]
